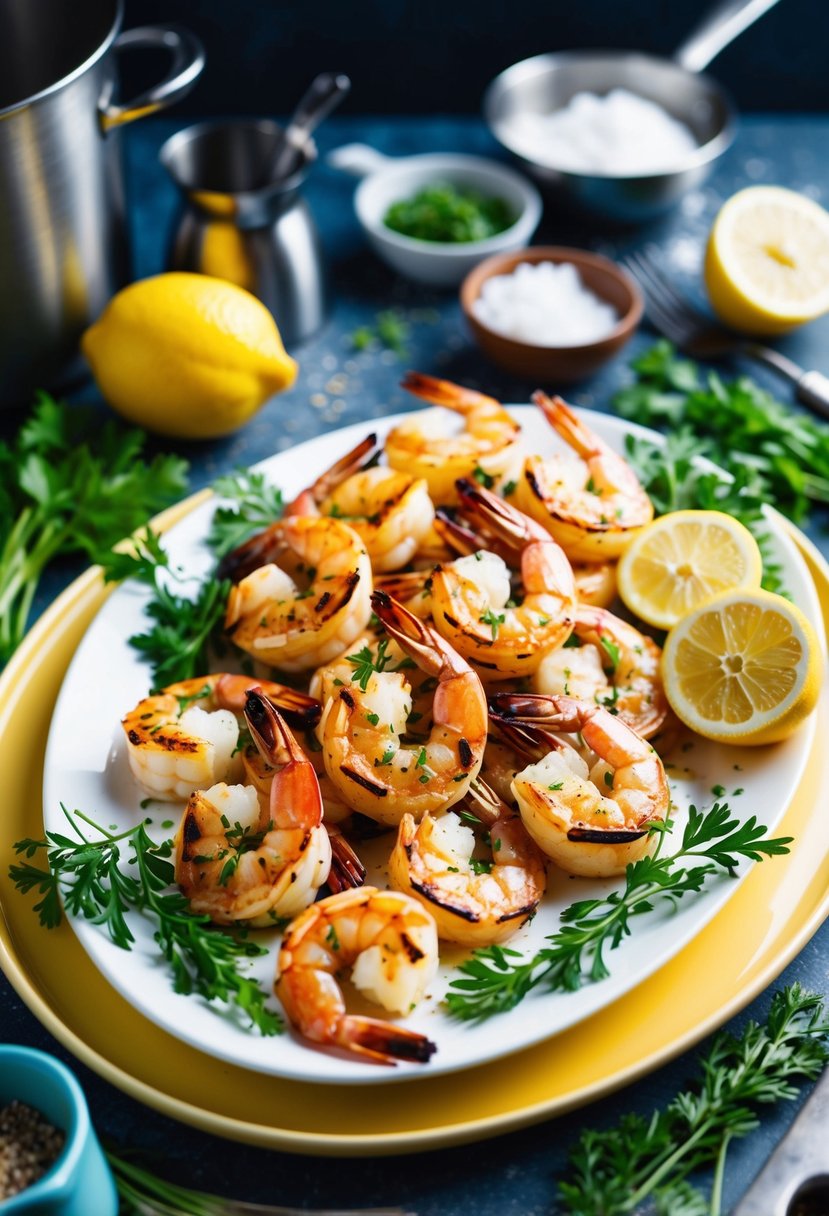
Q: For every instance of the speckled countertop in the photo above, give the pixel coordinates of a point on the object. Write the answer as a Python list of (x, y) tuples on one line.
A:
[(512, 1175)]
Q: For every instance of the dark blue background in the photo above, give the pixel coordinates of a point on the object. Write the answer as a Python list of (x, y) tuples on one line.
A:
[(434, 56)]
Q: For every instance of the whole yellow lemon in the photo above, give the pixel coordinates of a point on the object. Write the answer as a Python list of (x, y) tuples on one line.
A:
[(187, 355)]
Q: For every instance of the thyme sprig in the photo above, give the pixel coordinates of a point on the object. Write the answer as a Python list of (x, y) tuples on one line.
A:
[(614, 1171), (108, 877), (497, 978)]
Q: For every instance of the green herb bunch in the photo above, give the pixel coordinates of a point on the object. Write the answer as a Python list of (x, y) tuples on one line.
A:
[(775, 454), (619, 1170), (67, 488), (497, 978), (107, 877)]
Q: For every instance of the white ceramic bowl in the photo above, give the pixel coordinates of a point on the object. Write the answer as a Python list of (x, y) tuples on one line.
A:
[(387, 180)]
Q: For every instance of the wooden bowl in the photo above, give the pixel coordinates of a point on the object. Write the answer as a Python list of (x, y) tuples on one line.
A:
[(562, 364)]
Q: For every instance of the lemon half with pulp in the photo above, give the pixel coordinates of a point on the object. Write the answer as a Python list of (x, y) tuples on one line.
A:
[(744, 668), (767, 262), (681, 560)]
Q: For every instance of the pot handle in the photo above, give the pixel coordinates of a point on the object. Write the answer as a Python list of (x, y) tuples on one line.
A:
[(188, 61), (725, 22), (359, 160)]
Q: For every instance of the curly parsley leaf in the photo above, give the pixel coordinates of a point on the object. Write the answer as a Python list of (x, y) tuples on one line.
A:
[(497, 978), (69, 486), (106, 880), (619, 1169)]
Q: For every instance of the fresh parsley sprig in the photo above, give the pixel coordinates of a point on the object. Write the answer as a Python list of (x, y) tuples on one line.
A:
[(252, 505), (69, 487), (185, 627), (615, 1171), (106, 878), (497, 978), (782, 452), (365, 662), (676, 481)]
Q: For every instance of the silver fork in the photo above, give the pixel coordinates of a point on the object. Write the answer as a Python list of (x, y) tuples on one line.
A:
[(701, 337)]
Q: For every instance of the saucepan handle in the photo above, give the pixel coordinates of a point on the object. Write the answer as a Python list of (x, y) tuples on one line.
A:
[(725, 22), (186, 66)]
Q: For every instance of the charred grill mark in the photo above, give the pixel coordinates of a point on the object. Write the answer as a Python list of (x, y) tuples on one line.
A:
[(346, 696), (434, 897), (450, 620), (414, 952), (604, 836), (134, 737), (322, 601), (190, 835), (465, 752), (170, 743), (532, 481), (377, 790), (336, 602), (489, 666), (306, 840), (527, 910), (386, 1040)]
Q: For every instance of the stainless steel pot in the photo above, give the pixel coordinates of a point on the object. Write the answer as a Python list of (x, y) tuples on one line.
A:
[(548, 82), (63, 238)]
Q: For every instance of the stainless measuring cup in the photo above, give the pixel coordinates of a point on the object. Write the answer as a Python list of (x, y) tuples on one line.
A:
[(63, 239), (546, 83), (238, 224)]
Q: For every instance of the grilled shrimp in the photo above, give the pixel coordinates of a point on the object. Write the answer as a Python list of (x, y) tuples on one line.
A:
[(260, 763), (390, 943), (421, 447), (270, 617), (237, 861), (469, 597), (615, 665), (595, 583), (185, 737), (390, 511), (593, 506), (474, 903), (589, 815), (366, 757)]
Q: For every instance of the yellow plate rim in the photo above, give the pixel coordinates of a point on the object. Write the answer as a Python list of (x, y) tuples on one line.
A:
[(83, 597)]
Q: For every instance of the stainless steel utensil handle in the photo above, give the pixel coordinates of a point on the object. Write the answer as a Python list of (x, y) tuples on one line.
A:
[(801, 1156), (811, 388), (188, 61), (721, 26), (325, 92)]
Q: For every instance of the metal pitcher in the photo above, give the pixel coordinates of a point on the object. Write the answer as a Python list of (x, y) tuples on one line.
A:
[(63, 236), (238, 224)]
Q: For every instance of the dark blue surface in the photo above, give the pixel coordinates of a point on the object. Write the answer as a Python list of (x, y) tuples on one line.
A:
[(512, 1175), (426, 56)]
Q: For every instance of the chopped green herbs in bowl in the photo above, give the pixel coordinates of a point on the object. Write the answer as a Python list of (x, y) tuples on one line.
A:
[(444, 213)]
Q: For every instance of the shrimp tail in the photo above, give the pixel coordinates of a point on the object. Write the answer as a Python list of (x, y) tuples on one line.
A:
[(262, 548), (482, 802), (346, 868), (457, 535), (428, 649), (536, 709), (444, 392), (297, 708), (383, 1041), (295, 791), (359, 458), (568, 425), (510, 528), (530, 741)]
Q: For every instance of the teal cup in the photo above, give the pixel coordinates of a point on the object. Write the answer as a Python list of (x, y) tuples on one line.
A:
[(80, 1182)]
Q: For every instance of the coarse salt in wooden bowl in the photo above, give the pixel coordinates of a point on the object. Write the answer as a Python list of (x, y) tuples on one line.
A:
[(562, 364)]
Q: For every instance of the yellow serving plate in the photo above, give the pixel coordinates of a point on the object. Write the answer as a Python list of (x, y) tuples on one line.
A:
[(768, 920)]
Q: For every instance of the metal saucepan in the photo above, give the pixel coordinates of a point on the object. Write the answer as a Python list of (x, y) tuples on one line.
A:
[(63, 236), (548, 82)]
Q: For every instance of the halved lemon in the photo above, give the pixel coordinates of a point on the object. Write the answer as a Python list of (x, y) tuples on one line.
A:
[(681, 560), (744, 668), (767, 262)]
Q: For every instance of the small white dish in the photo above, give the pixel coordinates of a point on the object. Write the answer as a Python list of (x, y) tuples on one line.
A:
[(388, 180)]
